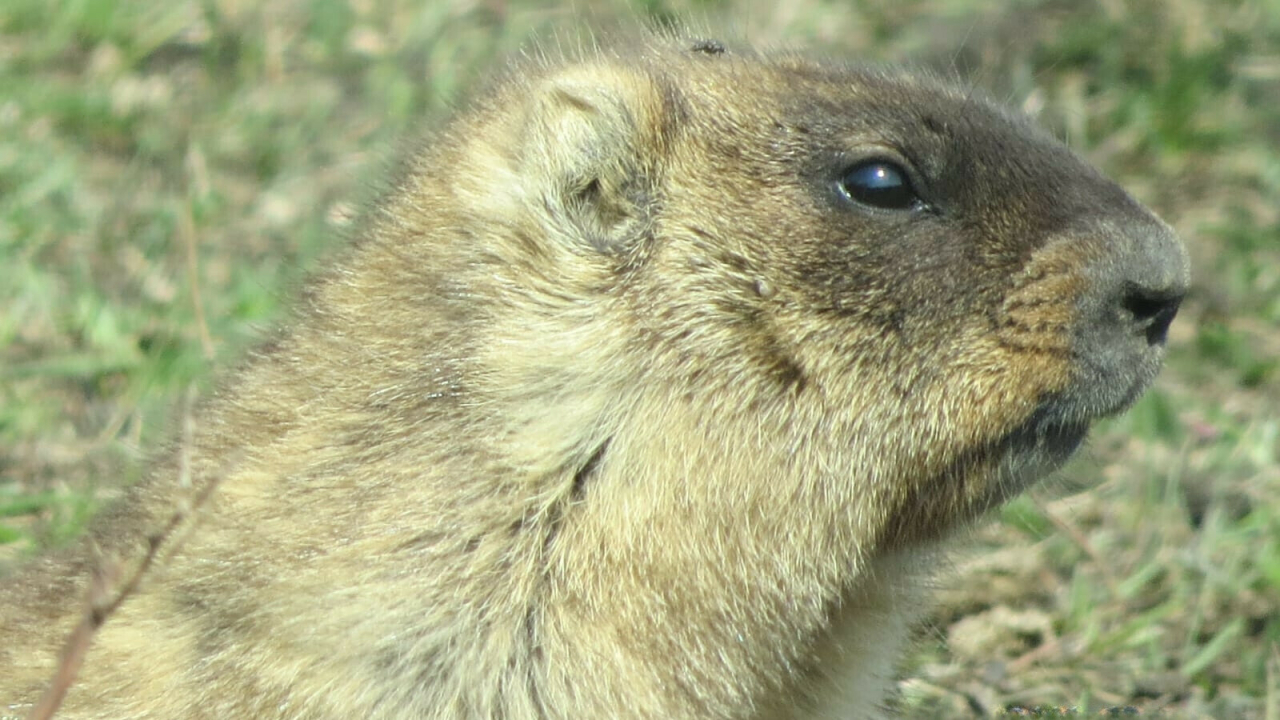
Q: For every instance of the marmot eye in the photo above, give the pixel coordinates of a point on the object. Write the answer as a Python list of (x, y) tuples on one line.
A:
[(879, 183)]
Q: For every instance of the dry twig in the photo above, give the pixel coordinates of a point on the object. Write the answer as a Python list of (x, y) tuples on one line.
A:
[(107, 592)]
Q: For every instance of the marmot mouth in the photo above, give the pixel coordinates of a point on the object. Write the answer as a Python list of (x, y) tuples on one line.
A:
[(1044, 442), (1103, 389), (1004, 468), (1055, 441)]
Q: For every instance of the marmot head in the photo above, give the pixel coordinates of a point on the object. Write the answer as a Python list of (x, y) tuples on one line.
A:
[(868, 273)]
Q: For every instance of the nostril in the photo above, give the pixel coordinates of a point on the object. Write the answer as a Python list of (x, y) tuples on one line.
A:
[(1152, 312)]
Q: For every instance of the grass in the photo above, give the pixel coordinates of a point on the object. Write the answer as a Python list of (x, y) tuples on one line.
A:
[(168, 171)]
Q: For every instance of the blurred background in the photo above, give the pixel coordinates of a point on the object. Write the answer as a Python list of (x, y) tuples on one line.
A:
[(169, 171)]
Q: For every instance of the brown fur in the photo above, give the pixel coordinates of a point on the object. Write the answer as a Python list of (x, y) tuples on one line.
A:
[(620, 408)]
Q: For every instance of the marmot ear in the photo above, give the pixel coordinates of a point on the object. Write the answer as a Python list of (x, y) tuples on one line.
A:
[(590, 148)]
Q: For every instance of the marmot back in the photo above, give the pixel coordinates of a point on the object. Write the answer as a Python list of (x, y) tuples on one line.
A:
[(647, 392)]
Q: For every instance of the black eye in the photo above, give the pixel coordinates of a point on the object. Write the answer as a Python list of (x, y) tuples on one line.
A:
[(879, 183)]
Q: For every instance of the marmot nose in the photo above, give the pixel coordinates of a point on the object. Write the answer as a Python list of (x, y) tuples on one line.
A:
[(1151, 272), (1151, 311), (1138, 277)]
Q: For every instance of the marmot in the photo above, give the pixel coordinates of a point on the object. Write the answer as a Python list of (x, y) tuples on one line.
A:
[(647, 392)]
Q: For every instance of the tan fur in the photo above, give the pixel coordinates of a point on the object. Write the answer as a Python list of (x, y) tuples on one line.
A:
[(618, 408)]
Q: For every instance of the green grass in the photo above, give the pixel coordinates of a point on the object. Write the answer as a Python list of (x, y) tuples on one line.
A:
[(172, 168)]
